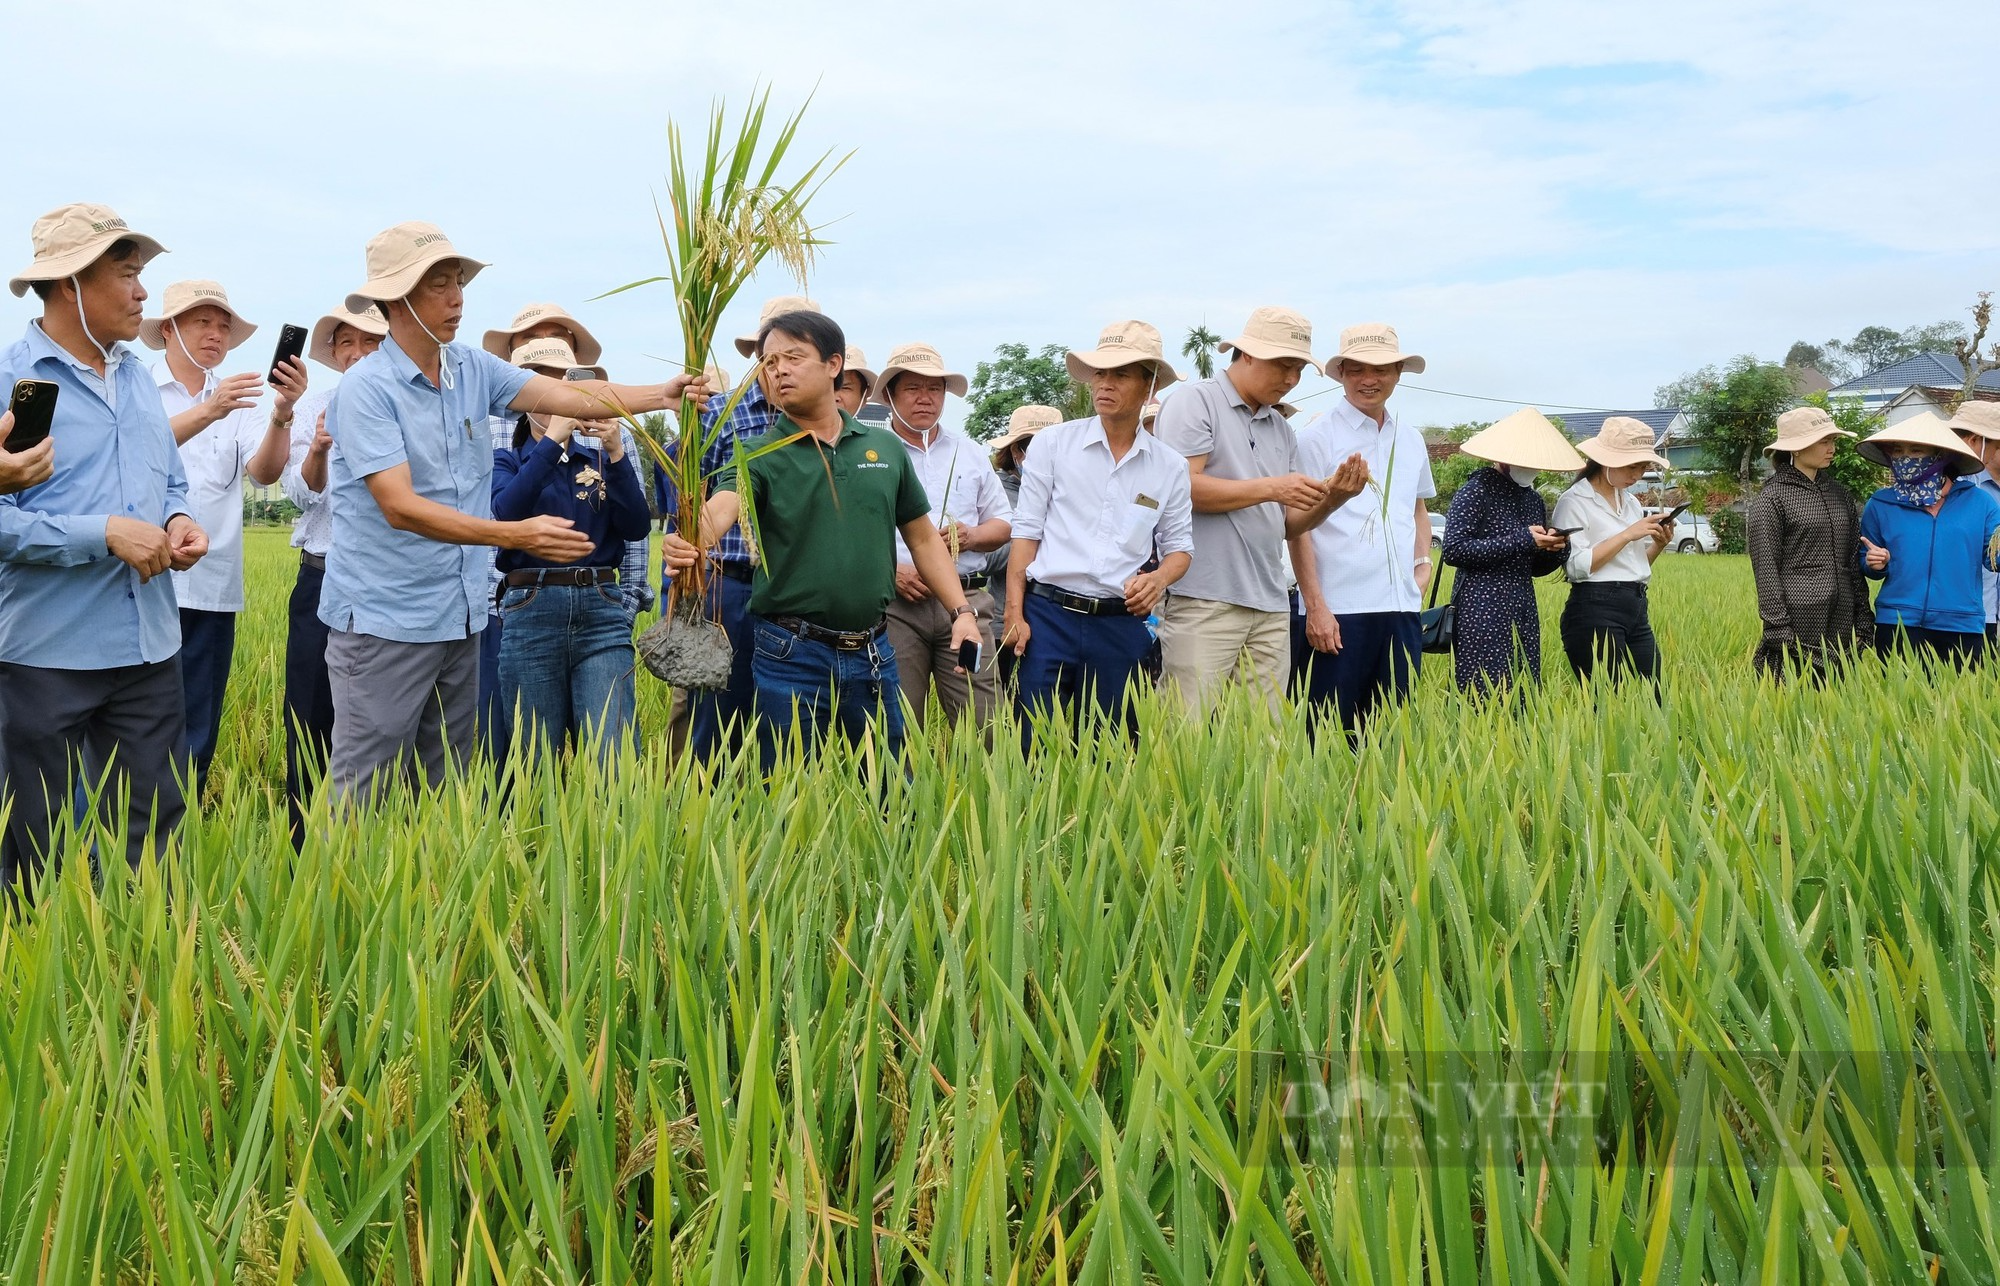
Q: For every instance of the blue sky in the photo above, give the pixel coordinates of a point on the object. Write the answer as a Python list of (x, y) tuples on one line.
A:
[(1554, 200)]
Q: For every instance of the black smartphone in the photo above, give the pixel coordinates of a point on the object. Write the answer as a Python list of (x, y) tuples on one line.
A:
[(1567, 531), (1674, 515), (291, 344), (970, 653), (34, 408)]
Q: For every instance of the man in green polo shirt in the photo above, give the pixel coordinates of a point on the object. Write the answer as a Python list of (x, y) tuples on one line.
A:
[(829, 493)]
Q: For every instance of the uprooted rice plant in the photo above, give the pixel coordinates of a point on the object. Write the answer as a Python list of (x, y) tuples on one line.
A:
[(1681, 992)]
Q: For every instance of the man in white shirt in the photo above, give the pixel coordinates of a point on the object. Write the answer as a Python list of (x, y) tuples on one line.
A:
[(1362, 573), (222, 438), (1100, 502), (972, 514)]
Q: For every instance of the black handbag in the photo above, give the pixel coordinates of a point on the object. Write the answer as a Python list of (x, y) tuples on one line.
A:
[(1440, 624)]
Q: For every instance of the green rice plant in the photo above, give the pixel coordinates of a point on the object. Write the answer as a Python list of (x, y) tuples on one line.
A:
[(1585, 988)]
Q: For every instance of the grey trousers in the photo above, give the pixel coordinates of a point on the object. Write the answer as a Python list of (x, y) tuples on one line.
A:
[(921, 635), (124, 728), (399, 708)]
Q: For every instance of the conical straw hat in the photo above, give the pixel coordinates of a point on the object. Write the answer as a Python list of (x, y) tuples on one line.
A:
[(1525, 438)]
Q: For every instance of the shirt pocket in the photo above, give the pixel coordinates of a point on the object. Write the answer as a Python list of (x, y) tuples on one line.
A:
[(1136, 524)]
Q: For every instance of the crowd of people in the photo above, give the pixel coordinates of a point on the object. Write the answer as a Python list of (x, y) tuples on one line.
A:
[(473, 537)]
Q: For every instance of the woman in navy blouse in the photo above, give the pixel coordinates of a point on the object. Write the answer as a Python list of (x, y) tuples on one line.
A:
[(566, 659)]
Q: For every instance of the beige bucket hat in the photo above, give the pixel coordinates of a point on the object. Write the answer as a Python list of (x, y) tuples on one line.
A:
[(857, 361), (501, 343), (1982, 418), (1924, 430), (1275, 334), (917, 359), (1527, 439), (1375, 344), (1148, 413), (184, 295), (551, 354), (397, 259), (1802, 426), (70, 238), (1025, 423), (369, 322), (1622, 440), (747, 344), (1124, 343)]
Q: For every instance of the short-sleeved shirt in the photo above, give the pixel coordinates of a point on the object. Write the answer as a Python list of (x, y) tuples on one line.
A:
[(313, 529), (394, 584), (214, 459), (1367, 548), (826, 521), (957, 474), (1239, 555)]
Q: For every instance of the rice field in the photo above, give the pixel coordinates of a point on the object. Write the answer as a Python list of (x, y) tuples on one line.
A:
[(1578, 990)]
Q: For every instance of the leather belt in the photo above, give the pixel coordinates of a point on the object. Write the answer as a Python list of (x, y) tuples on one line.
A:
[(978, 580), (734, 571), (840, 640), (563, 576), (315, 561), (1081, 603)]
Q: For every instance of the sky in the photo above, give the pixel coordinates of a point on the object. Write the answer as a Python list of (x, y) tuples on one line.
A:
[(1559, 202)]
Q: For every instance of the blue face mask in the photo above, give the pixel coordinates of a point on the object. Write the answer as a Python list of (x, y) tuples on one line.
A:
[(1918, 479)]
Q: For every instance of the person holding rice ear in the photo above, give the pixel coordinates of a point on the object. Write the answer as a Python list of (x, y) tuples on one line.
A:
[(1804, 540), (1612, 545), (339, 340), (1978, 426), (972, 514), (1927, 536), (407, 586), (1104, 525), (1497, 536)]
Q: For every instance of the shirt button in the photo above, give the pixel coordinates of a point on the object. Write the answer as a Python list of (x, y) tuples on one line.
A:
[(128, 508)]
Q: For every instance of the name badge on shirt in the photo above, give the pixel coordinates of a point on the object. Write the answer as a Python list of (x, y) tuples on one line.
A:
[(1146, 501)]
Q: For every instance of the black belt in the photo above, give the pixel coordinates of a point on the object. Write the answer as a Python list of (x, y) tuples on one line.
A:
[(735, 571), (978, 581), (563, 576), (315, 561), (1627, 588), (1081, 603), (841, 640)]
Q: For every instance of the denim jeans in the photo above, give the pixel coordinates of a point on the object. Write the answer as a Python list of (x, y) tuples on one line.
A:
[(720, 718), (800, 681), (566, 663)]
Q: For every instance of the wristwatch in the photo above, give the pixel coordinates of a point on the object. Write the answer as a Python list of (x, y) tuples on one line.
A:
[(963, 609)]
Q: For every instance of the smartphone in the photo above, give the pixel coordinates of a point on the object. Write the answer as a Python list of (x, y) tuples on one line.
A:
[(970, 654), (1567, 531), (34, 408), (1674, 515), (291, 344)]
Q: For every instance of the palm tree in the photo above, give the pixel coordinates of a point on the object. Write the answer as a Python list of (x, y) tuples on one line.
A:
[(1200, 349)]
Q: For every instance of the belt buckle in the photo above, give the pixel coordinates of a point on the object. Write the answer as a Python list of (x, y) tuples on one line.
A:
[(850, 642)]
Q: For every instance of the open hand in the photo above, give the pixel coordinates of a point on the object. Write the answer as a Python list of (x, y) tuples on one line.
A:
[(1350, 479)]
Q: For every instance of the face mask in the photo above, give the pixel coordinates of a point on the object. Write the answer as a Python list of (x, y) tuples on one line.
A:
[(1522, 475), (1919, 479)]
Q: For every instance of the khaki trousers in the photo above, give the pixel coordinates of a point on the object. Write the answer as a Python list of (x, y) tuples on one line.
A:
[(921, 634), (1204, 644)]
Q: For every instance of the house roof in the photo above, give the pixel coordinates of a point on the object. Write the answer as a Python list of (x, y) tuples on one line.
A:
[(1582, 424), (1930, 370)]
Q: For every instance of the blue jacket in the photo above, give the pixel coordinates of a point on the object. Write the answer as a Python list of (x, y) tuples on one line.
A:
[(603, 499), (1933, 581)]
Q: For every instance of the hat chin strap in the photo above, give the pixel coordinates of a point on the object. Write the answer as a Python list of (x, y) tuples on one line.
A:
[(103, 352), (207, 372), (444, 367)]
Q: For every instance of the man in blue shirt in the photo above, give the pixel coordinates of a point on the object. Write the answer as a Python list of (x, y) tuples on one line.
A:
[(89, 631), (411, 488)]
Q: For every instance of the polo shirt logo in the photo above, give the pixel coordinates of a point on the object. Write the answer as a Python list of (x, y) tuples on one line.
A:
[(872, 457)]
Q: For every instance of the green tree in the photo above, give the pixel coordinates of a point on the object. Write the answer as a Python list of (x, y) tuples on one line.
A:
[(1016, 378), (1200, 349), (1874, 347), (1860, 475), (1450, 474), (1731, 413)]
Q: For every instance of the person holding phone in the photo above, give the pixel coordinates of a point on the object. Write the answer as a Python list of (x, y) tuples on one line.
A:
[(1100, 500), (1612, 545), (407, 585), (89, 632), (27, 467), (566, 658), (972, 514), (1804, 551), (223, 440), (1497, 535)]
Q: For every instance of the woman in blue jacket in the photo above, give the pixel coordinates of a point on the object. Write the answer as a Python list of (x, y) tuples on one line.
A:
[(1926, 537), (566, 658)]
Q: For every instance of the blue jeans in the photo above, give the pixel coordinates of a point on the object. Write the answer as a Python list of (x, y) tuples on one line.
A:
[(566, 664), (1378, 660), (815, 686), (718, 719), (208, 644), (1074, 659)]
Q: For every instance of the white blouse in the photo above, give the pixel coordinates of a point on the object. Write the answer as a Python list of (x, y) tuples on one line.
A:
[(1582, 506)]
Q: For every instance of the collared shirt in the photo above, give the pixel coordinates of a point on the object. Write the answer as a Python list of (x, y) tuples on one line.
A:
[(65, 602), (214, 459), (1367, 548), (1099, 519), (312, 530), (633, 568), (1581, 506), (396, 584), (826, 519), (958, 476), (753, 417), (1238, 556), (1990, 580), (601, 497)]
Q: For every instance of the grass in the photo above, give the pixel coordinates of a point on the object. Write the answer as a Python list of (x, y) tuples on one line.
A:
[(1693, 991)]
